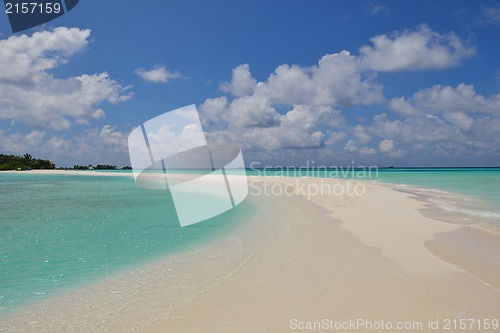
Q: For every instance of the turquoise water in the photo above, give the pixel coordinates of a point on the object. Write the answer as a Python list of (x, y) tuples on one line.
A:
[(481, 184), (59, 231), (480, 188)]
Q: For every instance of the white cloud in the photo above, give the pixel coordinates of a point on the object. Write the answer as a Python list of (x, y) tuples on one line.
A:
[(29, 94), (448, 121), (376, 8), (213, 113), (360, 134), (367, 151), (386, 145), (298, 128), (252, 111), (23, 56), (439, 99), (351, 147), (111, 137), (418, 129), (403, 107), (298, 107), (296, 111), (14, 143), (106, 142), (459, 120), (389, 147), (491, 14), (338, 80), (335, 137), (34, 138), (242, 82), (414, 50), (447, 134), (310, 94), (158, 74), (56, 145), (95, 145)]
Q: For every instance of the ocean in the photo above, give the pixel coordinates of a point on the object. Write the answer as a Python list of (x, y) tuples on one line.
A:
[(61, 231), (58, 232), (473, 192)]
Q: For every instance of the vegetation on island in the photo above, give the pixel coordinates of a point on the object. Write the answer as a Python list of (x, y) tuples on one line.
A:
[(25, 162), (97, 167)]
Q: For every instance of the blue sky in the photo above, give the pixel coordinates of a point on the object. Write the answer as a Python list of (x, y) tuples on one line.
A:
[(374, 82)]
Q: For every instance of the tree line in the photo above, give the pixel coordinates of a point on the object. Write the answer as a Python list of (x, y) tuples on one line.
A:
[(97, 167), (25, 162)]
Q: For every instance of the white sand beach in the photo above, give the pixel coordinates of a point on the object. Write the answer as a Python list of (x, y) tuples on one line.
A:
[(360, 258)]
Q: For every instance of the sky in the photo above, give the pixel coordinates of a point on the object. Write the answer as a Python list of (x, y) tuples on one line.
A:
[(303, 83)]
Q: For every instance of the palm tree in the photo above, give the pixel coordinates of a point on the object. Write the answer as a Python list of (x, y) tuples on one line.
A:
[(28, 159)]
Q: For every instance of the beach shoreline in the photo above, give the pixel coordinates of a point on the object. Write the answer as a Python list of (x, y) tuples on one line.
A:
[(305, 257), (390, 274), (70, 172)]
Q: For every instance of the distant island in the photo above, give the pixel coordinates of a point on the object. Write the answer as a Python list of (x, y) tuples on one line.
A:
[(97, 167), (25, 162)]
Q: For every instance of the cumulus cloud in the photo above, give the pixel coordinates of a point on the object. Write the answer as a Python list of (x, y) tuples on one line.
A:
[(283, 111), (424, 129), (17, 142), (111, 137), (158, 74), (440, 99), (310, 95), (449, 133), (305, 108), (335, 137), (105, 144), (352, 147), (297, 111), (443, 120), (298, 128), (367, 151), (24, 56), (336, 81), (386, 145), (242, 82), (360, 134), (30, 94), (389, 147), (414, 50)]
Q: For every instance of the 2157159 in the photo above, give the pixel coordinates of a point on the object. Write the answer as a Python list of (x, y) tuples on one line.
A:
[(33, 8)]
